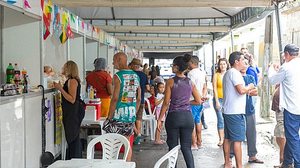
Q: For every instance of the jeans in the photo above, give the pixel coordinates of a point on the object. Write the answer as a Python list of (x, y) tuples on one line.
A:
[(292, 146), (180, 125), (251, 135), (220, 119)]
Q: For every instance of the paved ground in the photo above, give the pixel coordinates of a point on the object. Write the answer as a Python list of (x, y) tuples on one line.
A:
[(210, 155)]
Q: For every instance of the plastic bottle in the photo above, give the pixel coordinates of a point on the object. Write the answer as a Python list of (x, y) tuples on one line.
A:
[(25, 89), (9, 74), (17, 74), (91, 95), (16, 69)]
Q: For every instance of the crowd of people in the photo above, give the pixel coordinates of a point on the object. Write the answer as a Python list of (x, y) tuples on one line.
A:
[(178, 103)]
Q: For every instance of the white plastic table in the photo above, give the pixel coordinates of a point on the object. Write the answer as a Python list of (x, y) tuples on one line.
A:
[(92, 163)]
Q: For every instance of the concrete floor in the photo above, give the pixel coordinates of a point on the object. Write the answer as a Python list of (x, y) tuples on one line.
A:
[(210, 155)]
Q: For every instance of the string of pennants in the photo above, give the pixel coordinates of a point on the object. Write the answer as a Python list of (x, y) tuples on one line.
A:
[(59, 23), (25, 3)]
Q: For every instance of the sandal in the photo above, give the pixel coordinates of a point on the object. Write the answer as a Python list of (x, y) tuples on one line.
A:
[(220, 144), (161, 142), (256, 161)]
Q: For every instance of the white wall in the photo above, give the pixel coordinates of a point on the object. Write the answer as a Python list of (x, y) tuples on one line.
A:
[(55, 53), (103, 51), (21, 43), (91, 54), (110, 56), (76, 53)]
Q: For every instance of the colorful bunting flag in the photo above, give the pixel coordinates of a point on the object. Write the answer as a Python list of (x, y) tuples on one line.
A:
[(63, 37), (72, 18), (69, 31), (42, 5), (26, 4), (11, 1)]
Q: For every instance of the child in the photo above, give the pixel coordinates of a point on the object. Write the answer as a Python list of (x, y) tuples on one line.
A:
[(158, 103)]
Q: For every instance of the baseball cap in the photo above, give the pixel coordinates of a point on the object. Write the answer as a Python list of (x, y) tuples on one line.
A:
[(291, 49)]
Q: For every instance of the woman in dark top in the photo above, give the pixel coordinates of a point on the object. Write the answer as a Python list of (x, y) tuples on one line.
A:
[(70, 107), (179, 122)]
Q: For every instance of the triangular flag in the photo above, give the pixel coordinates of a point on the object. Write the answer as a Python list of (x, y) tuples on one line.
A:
[(63, 37), (11, 1), (46, 33), (69, 32), (72, 18), (82, 24), (26, 4), (42, 5)]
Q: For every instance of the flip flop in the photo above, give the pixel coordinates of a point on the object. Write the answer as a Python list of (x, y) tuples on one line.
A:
[(256, 161), (159, 143), (194, 148)]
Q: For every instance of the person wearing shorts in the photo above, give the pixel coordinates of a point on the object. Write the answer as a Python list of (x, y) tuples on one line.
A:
[(125, 100), (198, 77), (136, 65), (279, 128), (234, 106)]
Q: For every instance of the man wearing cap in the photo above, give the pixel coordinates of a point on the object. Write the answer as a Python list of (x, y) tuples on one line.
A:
[(136, 65), (288, 77), (101, 80), (199, 78)]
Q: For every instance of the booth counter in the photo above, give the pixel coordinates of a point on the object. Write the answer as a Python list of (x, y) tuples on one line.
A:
[(21, 134), (21, 41)]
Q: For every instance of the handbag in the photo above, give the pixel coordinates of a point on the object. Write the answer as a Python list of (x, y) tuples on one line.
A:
[(81, 109)]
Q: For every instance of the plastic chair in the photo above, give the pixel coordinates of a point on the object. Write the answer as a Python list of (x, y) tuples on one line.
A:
[(171, 156), (149, 121), (111, 144)]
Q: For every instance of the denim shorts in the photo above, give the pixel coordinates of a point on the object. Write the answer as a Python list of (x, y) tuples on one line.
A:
[(196, 111), (234, 127)]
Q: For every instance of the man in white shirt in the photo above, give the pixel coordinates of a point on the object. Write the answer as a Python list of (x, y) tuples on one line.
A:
[(198, 77), (288, 77), (234, 105)]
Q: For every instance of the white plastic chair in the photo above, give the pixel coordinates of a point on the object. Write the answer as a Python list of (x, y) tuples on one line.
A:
[(111, 144), (171, 156), (149, 121)]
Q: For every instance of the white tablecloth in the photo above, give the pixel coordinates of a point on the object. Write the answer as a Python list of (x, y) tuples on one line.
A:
[(92, 163)]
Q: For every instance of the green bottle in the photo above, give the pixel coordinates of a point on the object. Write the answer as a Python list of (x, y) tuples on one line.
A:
[(10, 74)]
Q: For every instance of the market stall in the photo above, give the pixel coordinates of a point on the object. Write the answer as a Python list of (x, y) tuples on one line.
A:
[(37, 39)]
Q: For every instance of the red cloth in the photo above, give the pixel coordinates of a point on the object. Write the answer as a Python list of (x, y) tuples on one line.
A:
[(152, 103), (99, 81)]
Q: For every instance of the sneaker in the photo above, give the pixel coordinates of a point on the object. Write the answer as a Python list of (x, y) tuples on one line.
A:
[(137, 140)]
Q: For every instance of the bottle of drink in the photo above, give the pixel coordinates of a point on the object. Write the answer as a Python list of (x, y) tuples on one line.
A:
[(25, 89), (17, 74), (91, 95), (16, 69), (9, 74)]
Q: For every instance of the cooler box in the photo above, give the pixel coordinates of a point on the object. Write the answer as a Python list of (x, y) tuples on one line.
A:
[(93, 109), (99, 147)]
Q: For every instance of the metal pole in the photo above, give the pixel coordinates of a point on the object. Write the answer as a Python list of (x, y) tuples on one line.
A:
[(213, 54), (2, 78), (277, 15), (84, 59), (231, 39)]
